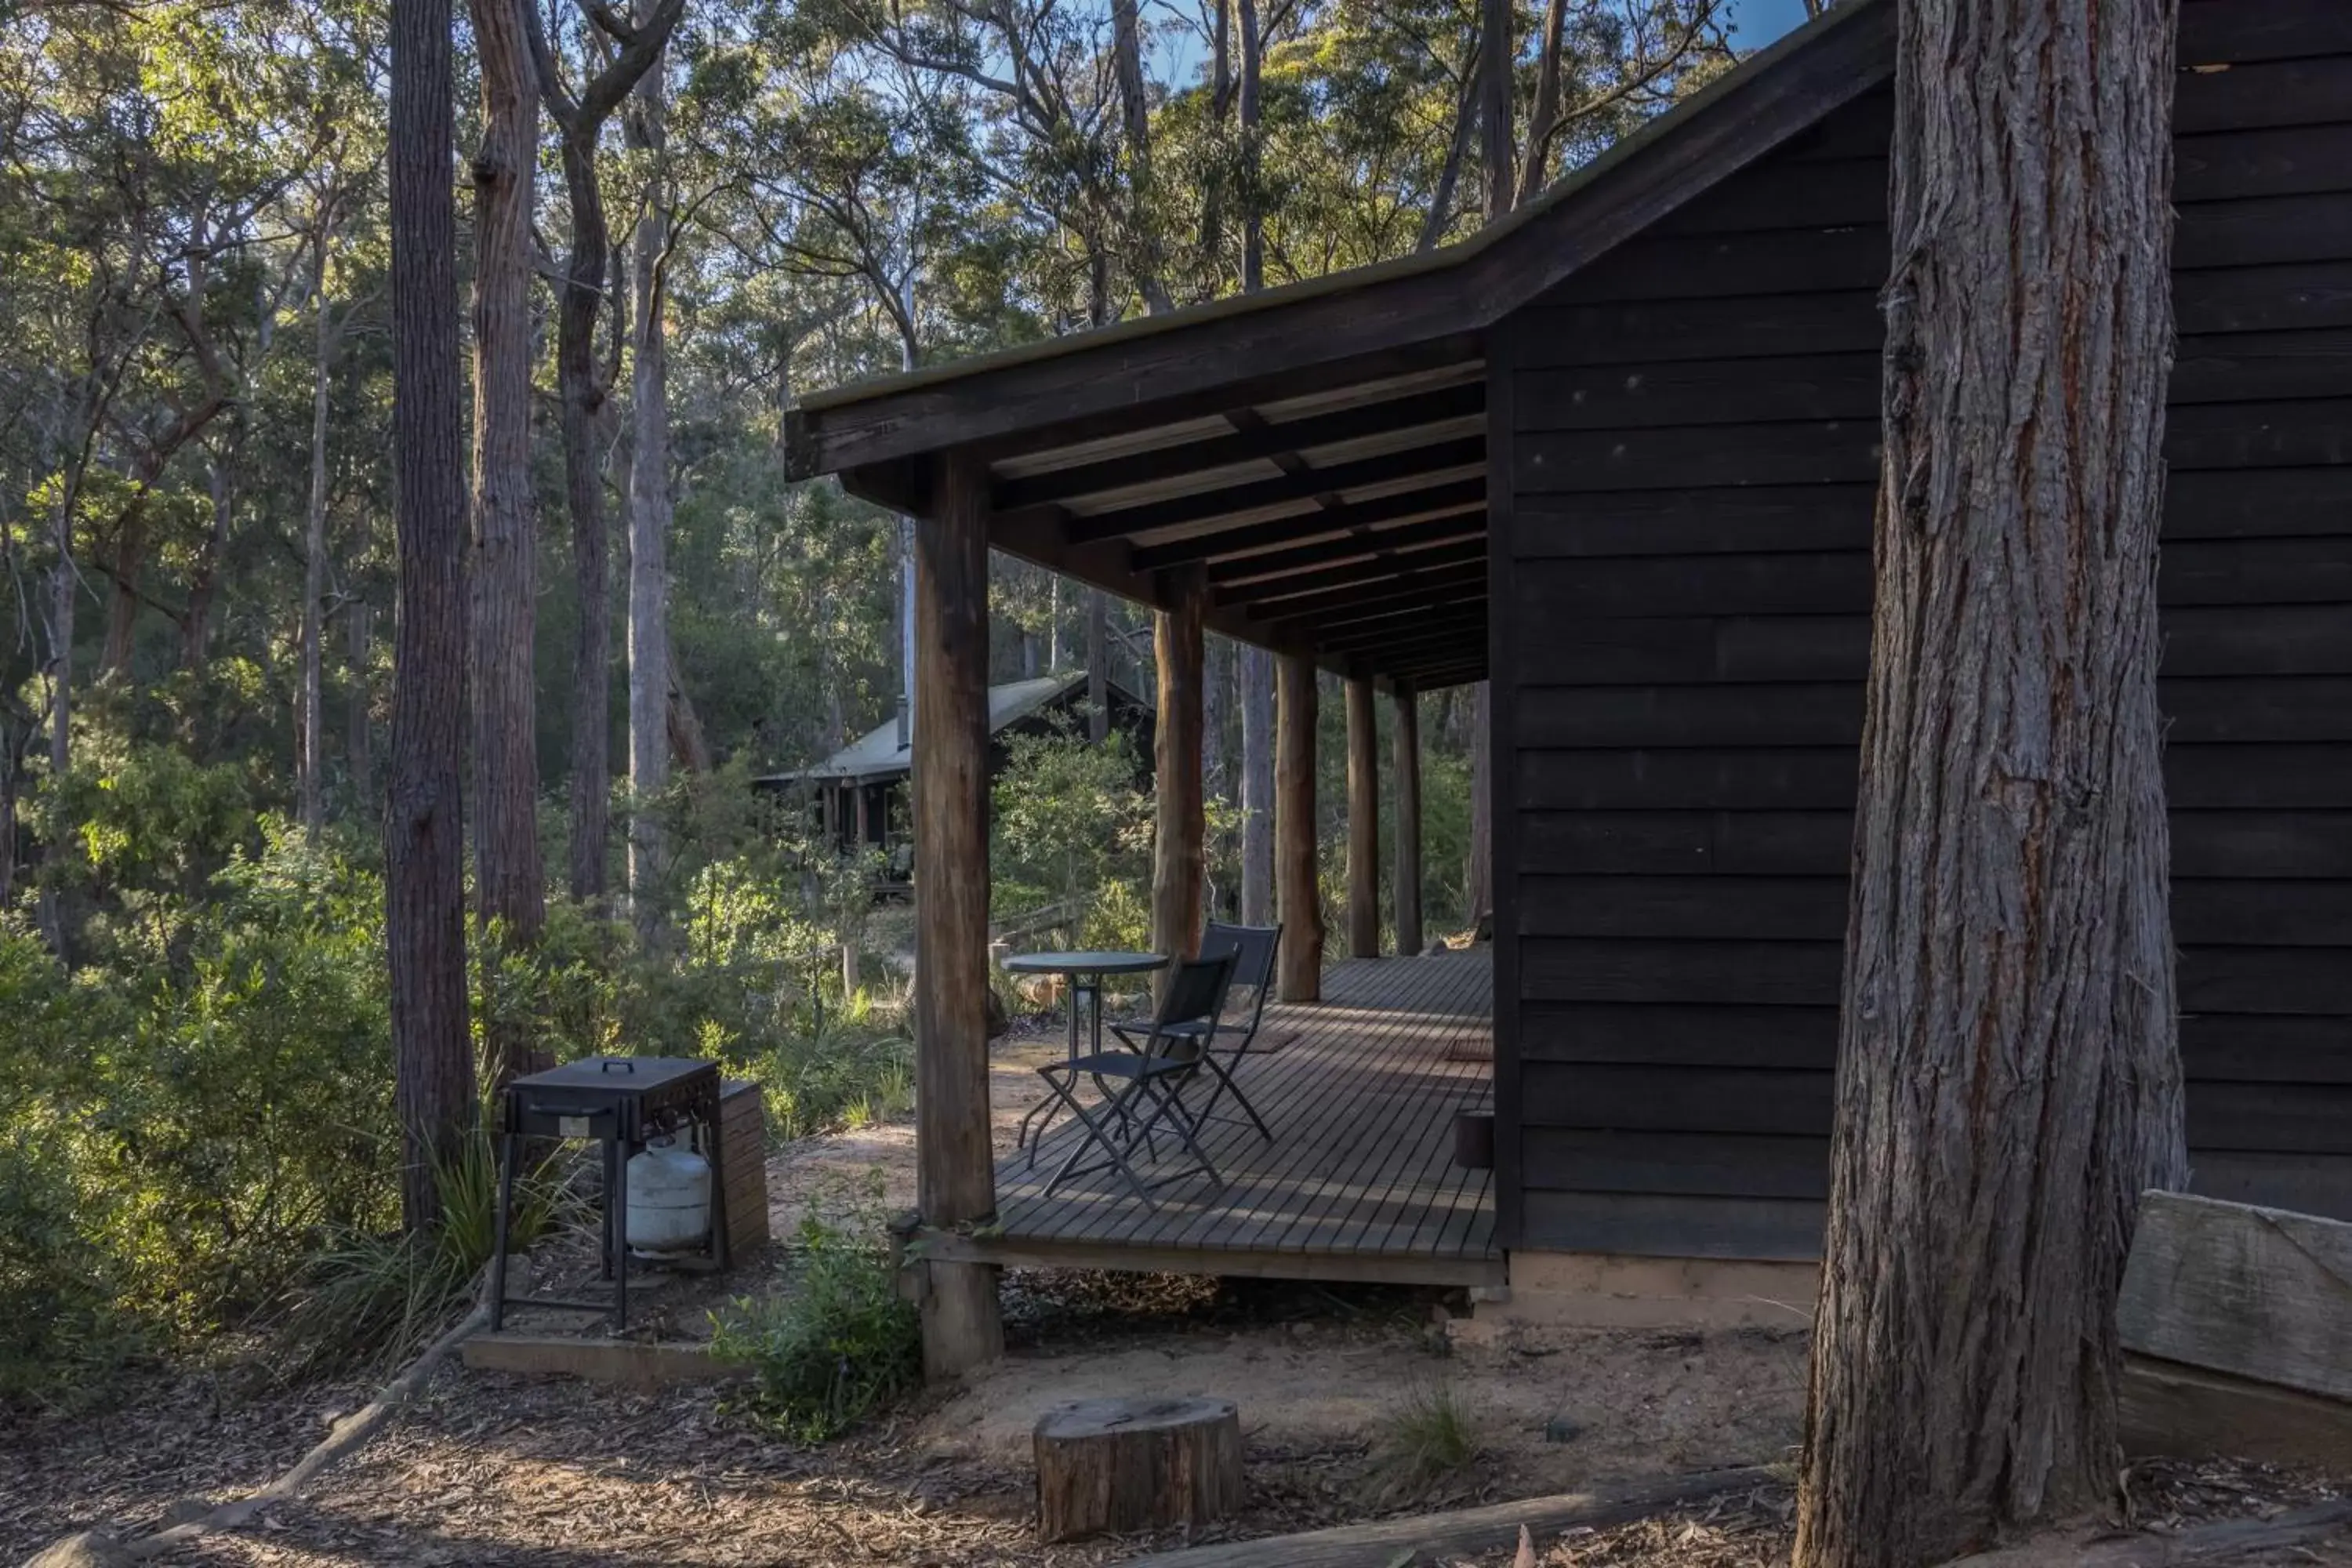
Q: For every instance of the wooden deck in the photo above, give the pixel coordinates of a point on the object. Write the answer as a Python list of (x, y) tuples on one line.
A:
[(1359, 1183)]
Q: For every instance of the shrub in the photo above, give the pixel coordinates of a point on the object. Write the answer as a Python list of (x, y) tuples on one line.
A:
[(837, 1348), (374, 1301)]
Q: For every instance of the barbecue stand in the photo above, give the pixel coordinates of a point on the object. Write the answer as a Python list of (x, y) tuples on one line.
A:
[(620, 1102)]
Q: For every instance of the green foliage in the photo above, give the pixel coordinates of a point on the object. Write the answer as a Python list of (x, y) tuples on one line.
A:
[(372, 1300), (838, 1347), (1071, 823)]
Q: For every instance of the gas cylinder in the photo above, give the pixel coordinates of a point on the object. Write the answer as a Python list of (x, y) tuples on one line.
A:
[(669, 1198)]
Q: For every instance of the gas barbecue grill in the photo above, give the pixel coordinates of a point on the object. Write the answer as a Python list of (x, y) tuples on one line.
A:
[(620, 1102)]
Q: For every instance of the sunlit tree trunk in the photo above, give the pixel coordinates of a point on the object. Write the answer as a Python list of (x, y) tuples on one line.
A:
[(424, 923), (649, 522), (2007, 1081), (510, 886)]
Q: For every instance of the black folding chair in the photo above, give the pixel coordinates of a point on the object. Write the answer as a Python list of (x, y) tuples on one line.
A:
[(1150, 1076), (1252, 949)]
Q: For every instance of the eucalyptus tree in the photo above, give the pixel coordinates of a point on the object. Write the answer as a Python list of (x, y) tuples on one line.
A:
[(2009, 1078), (615, 55), (502, 576)]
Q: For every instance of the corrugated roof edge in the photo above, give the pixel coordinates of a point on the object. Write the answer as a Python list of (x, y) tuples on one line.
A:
[(1553, 196)]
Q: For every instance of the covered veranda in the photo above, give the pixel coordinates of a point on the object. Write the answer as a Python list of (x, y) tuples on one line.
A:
[(1308, 471), (1359, 1180)]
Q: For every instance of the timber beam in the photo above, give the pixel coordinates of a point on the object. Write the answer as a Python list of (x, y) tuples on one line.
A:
[(1385, 565), (1455, 456), (1256, 441), (1449, 499)]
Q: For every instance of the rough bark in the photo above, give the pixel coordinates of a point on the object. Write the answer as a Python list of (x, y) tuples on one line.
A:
[(1407, 770), (650, 522), (1179, 863), (1115, 1466), (2009, 1082), (1258, 785), (581, 390), (433, 1057), (955, 1168), (503, 580), (1299, 971), (1363, 821), (310, 762)]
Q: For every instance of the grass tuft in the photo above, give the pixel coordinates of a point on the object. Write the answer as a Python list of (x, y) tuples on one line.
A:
[(1426, 1437)]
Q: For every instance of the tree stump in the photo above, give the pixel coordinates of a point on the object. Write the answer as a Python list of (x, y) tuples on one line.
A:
[(1116, 1465)]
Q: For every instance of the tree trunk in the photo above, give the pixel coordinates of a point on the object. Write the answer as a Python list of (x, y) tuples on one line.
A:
[(432, 1055), (1177, 864), (955, 1167), (1135, 112), (1299, 977), (1498, 53), (310, 763), (1407, 769), (204, 576), (61, 640), (650, 522), (359, 740), (1257, 786), (589, 270), (509, 884), (2009, 1082), (1216, 693), (1478, 875), (1363, 821), (1098, 666), (1117, 1466), (1544, 119), (583, 391), (1246, 112)]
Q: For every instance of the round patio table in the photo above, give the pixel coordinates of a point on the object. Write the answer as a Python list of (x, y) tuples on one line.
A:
[(1086, 971)]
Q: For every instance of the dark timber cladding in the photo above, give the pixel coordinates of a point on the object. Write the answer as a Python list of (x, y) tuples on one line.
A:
[(1683, 630)]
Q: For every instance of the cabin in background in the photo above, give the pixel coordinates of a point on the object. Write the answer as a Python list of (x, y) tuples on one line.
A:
[(858, 794)]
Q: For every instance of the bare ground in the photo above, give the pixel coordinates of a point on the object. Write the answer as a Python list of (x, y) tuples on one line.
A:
[(498, 1470)]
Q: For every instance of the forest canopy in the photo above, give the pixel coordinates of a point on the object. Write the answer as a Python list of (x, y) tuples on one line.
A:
[(670, 224)]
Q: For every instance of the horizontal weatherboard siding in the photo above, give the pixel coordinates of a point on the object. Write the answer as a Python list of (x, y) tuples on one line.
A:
[(1693, 465)]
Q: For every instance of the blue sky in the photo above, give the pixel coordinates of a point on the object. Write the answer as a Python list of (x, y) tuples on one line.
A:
[(1756, 22)]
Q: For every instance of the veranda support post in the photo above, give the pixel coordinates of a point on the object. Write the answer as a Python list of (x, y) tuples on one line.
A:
[(955, 1174)]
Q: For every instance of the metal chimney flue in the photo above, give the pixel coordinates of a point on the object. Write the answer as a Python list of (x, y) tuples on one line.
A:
[(905, 724)]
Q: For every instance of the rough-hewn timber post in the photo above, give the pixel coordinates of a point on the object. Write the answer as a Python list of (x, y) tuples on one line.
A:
[(1298, 900), (955, 1177), (1407, 890), (1177, 864), (1364, 820)]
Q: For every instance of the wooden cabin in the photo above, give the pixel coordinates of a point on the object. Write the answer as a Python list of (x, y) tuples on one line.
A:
[(1618, 454), (858, 794)]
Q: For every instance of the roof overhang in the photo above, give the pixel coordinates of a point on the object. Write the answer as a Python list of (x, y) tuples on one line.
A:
[(1314, 458)]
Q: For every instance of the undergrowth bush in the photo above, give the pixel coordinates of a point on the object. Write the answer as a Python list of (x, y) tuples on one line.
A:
[(838, 1346)]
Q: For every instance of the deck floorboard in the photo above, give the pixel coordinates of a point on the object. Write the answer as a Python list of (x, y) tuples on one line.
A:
[(1360, 1090)]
